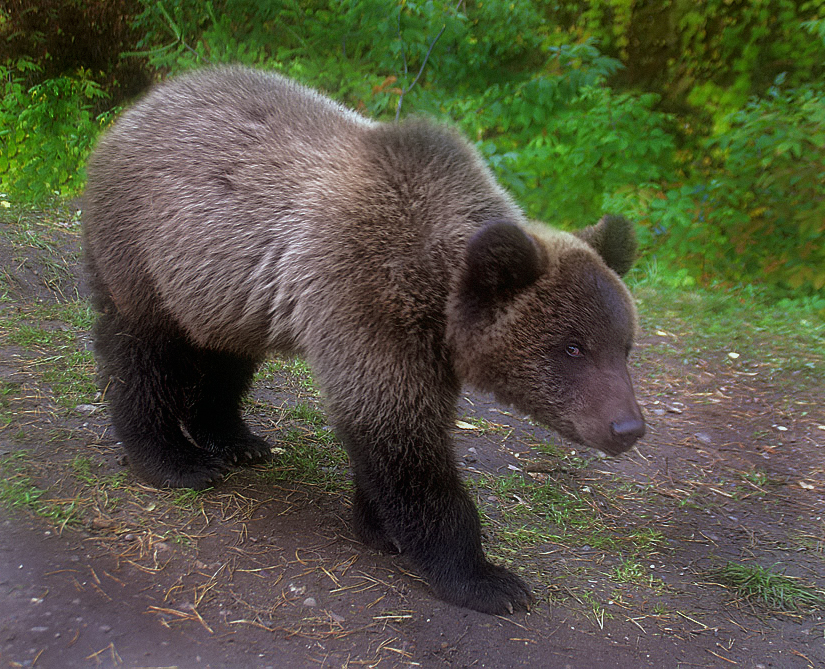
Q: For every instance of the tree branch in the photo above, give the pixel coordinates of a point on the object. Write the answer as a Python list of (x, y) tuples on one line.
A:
[(423, 65)]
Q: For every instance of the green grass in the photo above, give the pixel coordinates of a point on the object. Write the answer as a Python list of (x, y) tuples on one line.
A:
[(528, 513), (8, 391), (633, 572), (777, 591), (37, 324), (562, 455), (589, 600), (188, 499), (296, 368), (27, 336), (306, 413), (55, 254), (784, 336), (630, 571), (307, 455), (25, 233), (17, 490), (85, 469), (71, 376), (559, 506), (53, 333), (757, 482), (647, 540), (76, 313)]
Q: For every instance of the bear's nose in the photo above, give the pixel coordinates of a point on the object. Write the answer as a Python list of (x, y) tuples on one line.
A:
[(628, 431)]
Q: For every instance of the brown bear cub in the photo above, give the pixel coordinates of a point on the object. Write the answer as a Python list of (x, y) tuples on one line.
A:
[(232, 213)]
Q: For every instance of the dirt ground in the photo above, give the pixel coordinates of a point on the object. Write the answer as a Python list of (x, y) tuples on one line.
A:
[(98, 570)]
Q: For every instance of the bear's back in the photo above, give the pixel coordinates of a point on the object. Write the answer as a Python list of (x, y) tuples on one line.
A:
[(246, 205), (205, 135)]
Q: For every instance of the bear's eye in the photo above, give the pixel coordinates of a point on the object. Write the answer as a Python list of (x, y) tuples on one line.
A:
[(574, 351)]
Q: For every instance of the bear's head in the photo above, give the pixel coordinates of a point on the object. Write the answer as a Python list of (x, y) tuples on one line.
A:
[(542, 320)]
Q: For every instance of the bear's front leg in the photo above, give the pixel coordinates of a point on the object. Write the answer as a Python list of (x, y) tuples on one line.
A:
[(409, 497)]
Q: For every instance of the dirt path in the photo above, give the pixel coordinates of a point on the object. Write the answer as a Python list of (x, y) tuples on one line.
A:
[(625, 556)]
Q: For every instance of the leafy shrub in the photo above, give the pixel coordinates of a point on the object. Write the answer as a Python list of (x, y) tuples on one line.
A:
[(600, 143), (356, 50), (565, 143), (46, 132), (65, 36), (710, 55), (364, 52), (768, 200), (756, 211)]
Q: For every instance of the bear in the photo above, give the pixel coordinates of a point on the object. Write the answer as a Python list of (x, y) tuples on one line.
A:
[(233, 213)]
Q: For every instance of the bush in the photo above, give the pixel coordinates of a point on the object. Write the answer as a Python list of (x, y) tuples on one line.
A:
[(46, 132), (65, 36), (767, 200), (755, 212), (565, 143)]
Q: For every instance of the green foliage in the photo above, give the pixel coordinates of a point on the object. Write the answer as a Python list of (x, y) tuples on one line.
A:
[(355, 49), (65, 36), (754, 212), (17, 490), (734, 51), (563, 141), (713, 55), (600, 143), (363, 52), (767, 202), (46, 132), (550, 92)]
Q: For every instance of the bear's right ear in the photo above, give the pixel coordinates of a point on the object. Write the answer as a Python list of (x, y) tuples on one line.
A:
[(614, 239), (502, 259)]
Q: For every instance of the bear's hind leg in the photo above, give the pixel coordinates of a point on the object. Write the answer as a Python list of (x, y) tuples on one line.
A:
[(215, 422), (150, 380)]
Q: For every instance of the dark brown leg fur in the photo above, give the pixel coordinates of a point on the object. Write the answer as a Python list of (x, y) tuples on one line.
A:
[(215, 421), (409, 497), (157, 384)]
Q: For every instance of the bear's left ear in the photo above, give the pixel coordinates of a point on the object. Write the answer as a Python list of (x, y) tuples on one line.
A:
[(502, 259), (614, 239)]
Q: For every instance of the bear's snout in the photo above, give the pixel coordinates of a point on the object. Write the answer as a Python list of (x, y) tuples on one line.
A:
[(628, 432), (609, 417)]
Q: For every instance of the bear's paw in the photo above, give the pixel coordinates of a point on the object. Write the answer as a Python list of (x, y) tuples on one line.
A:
[(490, 589)]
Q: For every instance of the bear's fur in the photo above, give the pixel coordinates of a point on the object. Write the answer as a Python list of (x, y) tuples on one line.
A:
[(231, 214)]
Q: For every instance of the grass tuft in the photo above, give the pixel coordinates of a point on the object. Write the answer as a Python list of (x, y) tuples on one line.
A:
[(778, 591), (17, 490)]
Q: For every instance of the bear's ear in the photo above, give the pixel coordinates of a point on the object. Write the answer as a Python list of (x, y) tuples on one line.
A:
[(502, 259), (614, 239)]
